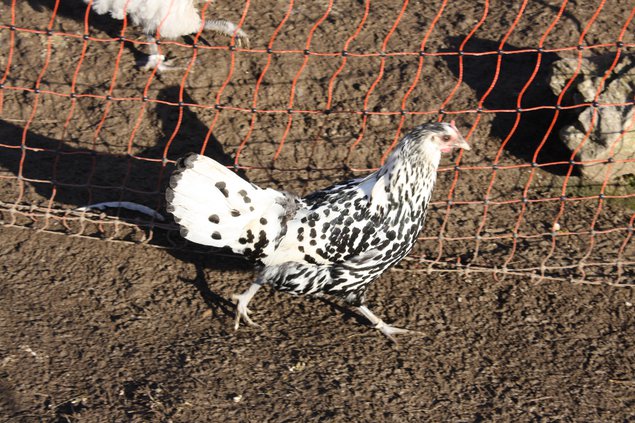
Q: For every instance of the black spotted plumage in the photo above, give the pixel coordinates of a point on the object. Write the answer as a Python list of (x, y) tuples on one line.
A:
[(334, 241)]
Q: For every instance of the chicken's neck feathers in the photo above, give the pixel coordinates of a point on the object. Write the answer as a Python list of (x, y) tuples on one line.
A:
[(403, 186)]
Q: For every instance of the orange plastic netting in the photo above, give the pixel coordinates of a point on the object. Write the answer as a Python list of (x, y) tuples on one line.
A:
[(79, 121)]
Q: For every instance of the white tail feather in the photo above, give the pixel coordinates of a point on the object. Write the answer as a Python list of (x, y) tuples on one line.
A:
[(216, 207)]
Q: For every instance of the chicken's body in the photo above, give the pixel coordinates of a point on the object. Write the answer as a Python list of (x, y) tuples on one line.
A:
[(172, 19), (335, 241)]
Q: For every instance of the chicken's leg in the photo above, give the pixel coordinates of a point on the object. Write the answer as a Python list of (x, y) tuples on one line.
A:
[(379, 324), (242, 302), (155, 60)]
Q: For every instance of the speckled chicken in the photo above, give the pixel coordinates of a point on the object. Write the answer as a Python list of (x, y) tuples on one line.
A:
[(173, 19), (334, 241)]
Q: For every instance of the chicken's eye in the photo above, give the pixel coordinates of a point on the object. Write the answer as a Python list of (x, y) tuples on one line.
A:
[(446, 138)]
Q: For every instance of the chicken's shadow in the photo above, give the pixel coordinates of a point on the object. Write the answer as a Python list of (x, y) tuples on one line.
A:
[(219, 306), (86, 175), (346, 312), (516, 70), (76, 176)]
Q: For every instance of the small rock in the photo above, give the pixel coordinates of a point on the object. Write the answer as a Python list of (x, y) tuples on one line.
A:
[(297, 367)]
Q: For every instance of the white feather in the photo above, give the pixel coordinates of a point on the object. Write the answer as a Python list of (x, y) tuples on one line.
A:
[(205, 188), (175, 17)]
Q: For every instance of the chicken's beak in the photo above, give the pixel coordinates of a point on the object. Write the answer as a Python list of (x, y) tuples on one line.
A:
[(459, 141)]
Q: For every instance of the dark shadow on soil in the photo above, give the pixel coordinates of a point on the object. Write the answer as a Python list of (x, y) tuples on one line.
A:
[(214, 302), (7, 399), (82, 176), (515, 71), (344, 310)]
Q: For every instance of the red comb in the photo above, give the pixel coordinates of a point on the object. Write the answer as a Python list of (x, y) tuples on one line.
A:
[(452, 123)]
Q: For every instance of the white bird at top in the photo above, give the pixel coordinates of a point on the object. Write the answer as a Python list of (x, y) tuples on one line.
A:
[(171, 18)]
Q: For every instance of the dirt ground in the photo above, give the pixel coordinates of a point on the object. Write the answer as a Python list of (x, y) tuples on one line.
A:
[(94, 330)]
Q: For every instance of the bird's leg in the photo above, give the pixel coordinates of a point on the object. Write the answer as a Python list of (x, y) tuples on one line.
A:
[(242, 302), (155, 59), (229, 29), (379, 324)]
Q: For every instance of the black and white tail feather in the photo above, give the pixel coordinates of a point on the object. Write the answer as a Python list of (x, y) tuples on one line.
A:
[(334, 241), (216, 207)]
